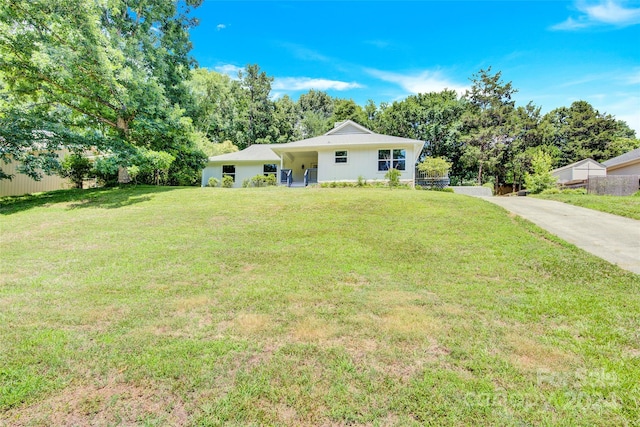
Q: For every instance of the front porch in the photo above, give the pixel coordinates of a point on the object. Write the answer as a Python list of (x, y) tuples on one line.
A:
[(310, 177), (299, 168)]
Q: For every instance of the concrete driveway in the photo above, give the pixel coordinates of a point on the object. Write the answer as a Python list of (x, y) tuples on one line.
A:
[(610, 237)]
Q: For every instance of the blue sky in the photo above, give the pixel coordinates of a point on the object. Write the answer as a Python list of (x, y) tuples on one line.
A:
[(554, 52)]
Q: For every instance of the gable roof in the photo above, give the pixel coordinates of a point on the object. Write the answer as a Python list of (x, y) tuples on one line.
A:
[(345, 134), (253, 153), (348, 127), (624, 158), (580, 163)]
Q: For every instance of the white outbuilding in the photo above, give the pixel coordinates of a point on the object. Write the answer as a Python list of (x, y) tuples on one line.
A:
[(579, 171)]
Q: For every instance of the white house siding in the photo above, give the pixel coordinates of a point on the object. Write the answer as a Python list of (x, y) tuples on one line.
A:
[(564, 175), (361, 161), (296, 161), (243, 171), (579, 171), (586, 171), (632, 169)]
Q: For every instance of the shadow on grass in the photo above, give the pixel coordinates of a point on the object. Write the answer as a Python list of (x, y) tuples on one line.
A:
[(105, 198)]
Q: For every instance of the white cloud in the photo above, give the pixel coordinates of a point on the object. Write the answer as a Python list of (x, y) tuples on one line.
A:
[(423, 82), (229, 69), (608, 12), (304, 53), (307, 83), (220, 27), (634, 77), (625, 107)]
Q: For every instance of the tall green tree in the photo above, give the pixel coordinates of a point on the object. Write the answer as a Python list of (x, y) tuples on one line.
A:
[(316, 109), (116, 67), (347, 109), (580, 131), (488, 125), (285, 118), (260, 109), (214, 104), (432, 117)]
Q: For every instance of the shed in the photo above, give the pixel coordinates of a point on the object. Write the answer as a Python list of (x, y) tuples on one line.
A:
[(579, 171)]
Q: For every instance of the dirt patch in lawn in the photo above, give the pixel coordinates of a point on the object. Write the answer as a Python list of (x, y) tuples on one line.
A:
[(532, 355), (101, 405)]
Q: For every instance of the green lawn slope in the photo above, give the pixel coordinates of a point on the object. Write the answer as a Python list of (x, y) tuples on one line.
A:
[(628, 206), (275, 306)]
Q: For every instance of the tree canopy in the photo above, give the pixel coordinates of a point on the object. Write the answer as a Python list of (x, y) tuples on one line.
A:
[(116, 76), (113, 70)]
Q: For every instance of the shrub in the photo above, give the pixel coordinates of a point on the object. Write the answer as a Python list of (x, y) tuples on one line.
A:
[(576, 191), (106, 170), (551, 191), (541, 178), (361, 181), (213, 182), (393, 176), (227, 181), (133, 172), (75, 167), (435, 167), (260, 181), (490, 186)]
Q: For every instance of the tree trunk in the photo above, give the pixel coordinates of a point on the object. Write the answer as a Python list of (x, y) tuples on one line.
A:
[(122, 124), (480, 174)]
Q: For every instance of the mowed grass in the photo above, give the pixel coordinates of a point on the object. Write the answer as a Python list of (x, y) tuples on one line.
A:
[(628, 206), (200, 306)]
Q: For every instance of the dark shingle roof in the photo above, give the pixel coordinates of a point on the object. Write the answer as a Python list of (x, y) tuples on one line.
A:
[(626, 157)]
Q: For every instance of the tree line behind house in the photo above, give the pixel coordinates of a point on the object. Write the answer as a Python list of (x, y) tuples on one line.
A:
[(117, 79)]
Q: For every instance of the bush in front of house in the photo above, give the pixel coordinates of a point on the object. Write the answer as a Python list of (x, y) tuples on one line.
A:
[(260, 181), (393, 177), (213, 182), (227, 181)]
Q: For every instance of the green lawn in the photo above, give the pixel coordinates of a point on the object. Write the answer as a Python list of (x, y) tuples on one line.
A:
[(628, 206), (275, 306)]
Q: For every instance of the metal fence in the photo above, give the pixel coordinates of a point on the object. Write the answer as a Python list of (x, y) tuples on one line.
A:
[(423, 180)]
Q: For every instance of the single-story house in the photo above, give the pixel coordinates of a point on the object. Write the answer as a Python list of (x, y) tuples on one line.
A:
[(345, 153), (626, 164), (579, 171)]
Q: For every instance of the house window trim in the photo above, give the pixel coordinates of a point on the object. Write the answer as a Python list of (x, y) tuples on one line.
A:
[(391, 159), (232, 175), (274, 173), (345, 157)]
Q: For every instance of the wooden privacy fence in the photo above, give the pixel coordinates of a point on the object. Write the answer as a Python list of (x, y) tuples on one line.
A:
[(614, 185)]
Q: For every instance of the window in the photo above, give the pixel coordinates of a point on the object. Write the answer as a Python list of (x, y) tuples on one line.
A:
[(270, 169), (229, 170), (341, 157), (388, 159)]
